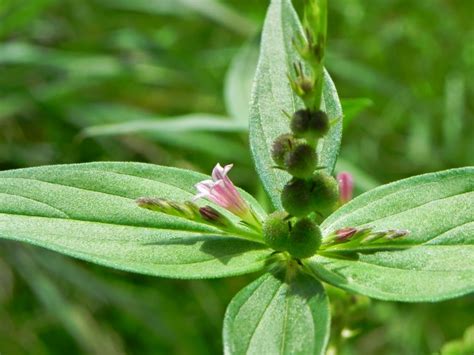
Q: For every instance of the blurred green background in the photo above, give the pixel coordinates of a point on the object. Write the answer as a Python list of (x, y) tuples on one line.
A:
[(167, 82)]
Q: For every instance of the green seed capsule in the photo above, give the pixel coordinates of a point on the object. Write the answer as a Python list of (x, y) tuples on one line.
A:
[(276, 230), (297, 198), (324, 193), (301, 161), (319, 123), (310, 124), (281, 147), (305, 238), (300, 122)]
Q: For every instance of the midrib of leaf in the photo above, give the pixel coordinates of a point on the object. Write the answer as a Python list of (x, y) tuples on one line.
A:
[(196, 226), (410, 269), (64, 215), (104, 259), (285, 320), (428, 242), (415, 208), (98, 168), (370, 205), (269, 304), (321, 273), (200, 228), (89, 222)]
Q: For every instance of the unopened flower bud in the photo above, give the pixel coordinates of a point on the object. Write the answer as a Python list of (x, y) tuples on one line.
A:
[(310, 124), (305, 238), (213, 216), (346, 186), (191, 210), (372, 237), (396, 233), (301, 161), (186, 209), (276, 230), (324, 193), (281, 147), (296, 197), (302, 84), (157, 204), (344, 234)]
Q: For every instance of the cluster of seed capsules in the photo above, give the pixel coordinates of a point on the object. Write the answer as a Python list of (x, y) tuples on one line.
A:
[(309, 195)]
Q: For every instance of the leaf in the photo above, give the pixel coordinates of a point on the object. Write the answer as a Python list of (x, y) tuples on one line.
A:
[(211, 9), (239, 81), (437, 259), (88, 211), (185, 123), (465, 345), (277, 316), (272, 95), (113, 119)]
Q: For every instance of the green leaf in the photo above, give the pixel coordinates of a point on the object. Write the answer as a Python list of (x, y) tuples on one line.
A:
[(272, 95), (186, 123), (278, 314), (211, 9), (88, 211), (113, 119), (239, 81), (436, 259), (464, 346)]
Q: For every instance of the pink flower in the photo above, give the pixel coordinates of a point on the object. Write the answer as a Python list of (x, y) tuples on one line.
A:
[(346, 185), (222, 191)]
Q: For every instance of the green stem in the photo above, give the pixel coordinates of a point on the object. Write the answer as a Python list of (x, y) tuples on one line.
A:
[(315, 26)]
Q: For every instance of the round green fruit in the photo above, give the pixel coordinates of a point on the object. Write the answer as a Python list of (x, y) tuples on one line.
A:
[(281, 147), (305, 239), (301, 161), (310, 124), (324, 193), (276, 230), (296, 197)]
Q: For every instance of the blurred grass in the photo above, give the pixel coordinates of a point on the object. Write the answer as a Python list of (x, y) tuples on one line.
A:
[(69, 68)]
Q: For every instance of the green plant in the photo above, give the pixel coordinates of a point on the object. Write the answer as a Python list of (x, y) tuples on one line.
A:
[(393, 243)]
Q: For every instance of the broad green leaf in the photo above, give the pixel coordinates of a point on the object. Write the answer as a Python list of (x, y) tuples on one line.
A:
[(272, 95), (239, 81), (278, 315), (435, 260), (88, 211)]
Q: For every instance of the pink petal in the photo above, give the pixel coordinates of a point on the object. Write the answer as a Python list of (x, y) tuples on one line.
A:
[(219, 172)]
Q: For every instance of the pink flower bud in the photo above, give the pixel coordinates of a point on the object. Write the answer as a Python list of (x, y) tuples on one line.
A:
[(344, 234), (346, 186)]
